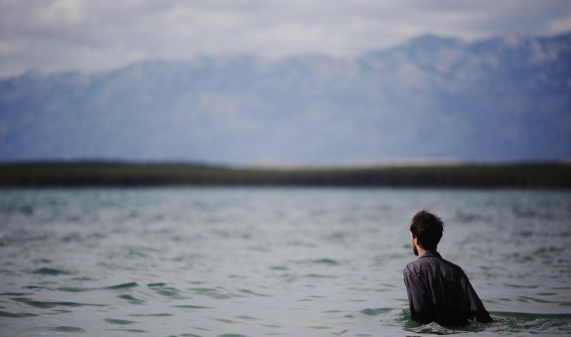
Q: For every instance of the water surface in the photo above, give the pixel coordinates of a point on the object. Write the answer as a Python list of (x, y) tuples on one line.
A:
[(271, 262)]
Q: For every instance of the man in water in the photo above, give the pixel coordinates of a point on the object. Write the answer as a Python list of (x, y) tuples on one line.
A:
[(438, 291)]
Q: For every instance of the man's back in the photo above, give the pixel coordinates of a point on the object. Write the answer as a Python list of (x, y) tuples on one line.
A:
[(439, 291)]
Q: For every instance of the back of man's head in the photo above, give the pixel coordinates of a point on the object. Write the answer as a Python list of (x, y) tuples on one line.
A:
[(427, 228)]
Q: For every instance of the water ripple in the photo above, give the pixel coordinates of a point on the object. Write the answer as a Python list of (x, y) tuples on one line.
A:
[(51, 271), (122, 286), (49, 304), (186, 306), (131, 299), (375, 312), (70, 329), (119, 321), (166, 291), (15, 315)]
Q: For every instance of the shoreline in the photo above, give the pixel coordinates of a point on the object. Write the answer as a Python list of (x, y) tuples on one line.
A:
[(524, 175)]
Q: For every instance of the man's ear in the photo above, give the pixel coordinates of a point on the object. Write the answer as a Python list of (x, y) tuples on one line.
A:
[(415, 240)]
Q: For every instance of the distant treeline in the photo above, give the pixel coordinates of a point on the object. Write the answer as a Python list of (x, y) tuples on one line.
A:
[(96, 174)]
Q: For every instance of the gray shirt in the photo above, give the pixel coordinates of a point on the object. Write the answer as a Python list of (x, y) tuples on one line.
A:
[(439, 291)]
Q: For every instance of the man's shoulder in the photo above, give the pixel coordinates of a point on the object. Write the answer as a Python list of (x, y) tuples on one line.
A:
[(413, 267), (452, 265), (431, 261)]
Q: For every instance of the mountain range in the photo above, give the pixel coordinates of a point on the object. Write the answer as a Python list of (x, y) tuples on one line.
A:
[(430, 99)]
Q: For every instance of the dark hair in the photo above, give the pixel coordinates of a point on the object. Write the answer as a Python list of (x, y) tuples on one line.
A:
[(427, 228)]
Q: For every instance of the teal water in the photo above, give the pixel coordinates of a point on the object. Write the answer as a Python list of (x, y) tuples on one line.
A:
[(272, 262)]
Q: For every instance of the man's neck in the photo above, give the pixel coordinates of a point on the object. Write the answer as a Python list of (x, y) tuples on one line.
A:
[(429, 253)]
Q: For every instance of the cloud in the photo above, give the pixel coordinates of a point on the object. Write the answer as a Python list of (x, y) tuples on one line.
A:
[(55, 35)]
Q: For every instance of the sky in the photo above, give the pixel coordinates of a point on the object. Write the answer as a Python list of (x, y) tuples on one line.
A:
[(90, 36)]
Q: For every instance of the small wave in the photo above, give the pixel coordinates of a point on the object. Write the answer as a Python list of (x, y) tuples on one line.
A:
[(211, 292), (322, 261), (314, 275), (15, 315), (163, 290), (74, 289), (15, 294), (48, 304), (525, 315), (319, 327), (151, 315), (224, 320), (131, 299), (526, 299), (185, 306), (36, 288), (510, 285), (310, 298), (532, 322), (332, 311), (436, 329), (512, 322), (129, 330), (51, 271), (122, 286), (71, 329), (158, 284), (119, 321), (522, 316), (375, 312), (250, 292), (326, 261)]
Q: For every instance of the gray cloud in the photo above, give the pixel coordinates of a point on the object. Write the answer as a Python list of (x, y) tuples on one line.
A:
[(55, 35)]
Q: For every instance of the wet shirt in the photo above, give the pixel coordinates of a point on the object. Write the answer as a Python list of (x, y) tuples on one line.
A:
[(439, 291)]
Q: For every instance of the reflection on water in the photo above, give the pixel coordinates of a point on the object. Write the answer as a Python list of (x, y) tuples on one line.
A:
[(256, 262)]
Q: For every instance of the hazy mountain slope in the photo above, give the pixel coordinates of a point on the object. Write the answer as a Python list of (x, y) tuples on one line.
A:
[(501, 99)]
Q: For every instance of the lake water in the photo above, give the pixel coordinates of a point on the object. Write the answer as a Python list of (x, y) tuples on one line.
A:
[(272, 262)]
